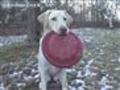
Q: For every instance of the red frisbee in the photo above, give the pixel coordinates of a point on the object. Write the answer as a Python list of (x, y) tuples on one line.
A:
[(62, 51)]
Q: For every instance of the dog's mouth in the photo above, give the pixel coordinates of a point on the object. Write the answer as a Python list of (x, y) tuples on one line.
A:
[(63, 34)]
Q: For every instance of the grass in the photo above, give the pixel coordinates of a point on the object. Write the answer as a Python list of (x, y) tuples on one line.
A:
[(16, 51)]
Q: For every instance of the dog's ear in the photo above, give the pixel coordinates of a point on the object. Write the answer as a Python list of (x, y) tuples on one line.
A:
[(42, 17), (69, 18)]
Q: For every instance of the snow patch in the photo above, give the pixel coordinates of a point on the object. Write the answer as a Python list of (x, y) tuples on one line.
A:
[(8, 40)]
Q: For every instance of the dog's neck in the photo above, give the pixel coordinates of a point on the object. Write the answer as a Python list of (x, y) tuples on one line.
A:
[(46, 31)]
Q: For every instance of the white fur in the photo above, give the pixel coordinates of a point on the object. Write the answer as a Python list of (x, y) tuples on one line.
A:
[(45, 68)]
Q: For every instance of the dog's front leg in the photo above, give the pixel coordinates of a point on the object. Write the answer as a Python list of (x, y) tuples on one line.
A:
[(42, 69), (43, 72), (43, 83), (63, 80)]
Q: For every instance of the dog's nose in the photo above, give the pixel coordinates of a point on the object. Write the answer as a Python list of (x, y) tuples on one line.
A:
[(63, 30)]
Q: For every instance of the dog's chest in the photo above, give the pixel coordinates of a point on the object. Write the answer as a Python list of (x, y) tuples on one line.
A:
[(52, 70), (48, 67)]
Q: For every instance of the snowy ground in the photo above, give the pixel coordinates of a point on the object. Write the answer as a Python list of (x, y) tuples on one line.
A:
[(99, 69), (8, 40)]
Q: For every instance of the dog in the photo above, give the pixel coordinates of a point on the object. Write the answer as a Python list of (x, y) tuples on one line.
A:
[(59, 22)]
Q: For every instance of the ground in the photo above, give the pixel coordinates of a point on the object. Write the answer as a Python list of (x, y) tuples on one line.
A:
[(99, 69)]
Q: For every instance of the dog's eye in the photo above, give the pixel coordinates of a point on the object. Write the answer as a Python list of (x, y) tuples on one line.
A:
[(64, 18), (54, 19)]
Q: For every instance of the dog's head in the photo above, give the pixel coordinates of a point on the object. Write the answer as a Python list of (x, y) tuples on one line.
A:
[(56, 20)]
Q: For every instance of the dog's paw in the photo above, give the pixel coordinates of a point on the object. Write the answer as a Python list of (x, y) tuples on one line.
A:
[(41, 86), (64, 89)]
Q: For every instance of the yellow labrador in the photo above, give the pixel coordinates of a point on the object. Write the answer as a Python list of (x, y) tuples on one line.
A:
[(57, 21)]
